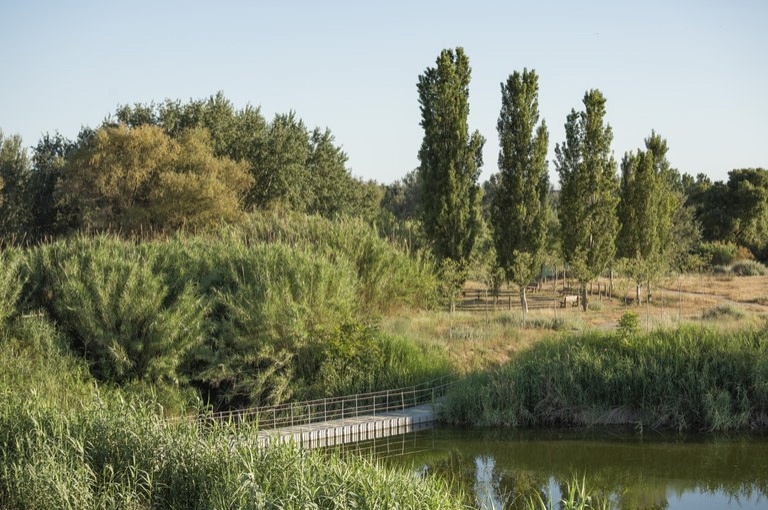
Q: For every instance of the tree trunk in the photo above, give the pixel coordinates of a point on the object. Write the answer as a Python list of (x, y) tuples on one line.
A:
[(637, 293), (584, 296), (523, 300), (610, 290)]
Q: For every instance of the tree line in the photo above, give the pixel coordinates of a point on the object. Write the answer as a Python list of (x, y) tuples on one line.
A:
[(170, 165), (160, 167), (647, 220)]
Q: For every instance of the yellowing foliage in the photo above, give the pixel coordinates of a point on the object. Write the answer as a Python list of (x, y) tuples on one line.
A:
[(127, 179)]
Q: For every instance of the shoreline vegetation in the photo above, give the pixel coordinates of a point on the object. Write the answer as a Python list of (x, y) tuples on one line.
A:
[(103, 338), (690, 378)]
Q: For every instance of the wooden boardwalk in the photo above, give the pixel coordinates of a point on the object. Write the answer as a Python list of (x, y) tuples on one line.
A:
[(352, 429)]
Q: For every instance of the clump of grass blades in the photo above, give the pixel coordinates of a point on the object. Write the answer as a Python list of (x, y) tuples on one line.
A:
[(576, 497), (723, 312), (748, 268), (689, 378), (122, 456)]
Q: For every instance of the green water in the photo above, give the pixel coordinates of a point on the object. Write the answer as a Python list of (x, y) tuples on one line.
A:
[(629, 469)]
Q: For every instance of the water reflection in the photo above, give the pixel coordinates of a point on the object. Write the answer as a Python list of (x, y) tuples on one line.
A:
[(625, 469)]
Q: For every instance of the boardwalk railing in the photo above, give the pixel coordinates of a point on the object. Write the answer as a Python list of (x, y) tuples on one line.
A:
[(338, 408)]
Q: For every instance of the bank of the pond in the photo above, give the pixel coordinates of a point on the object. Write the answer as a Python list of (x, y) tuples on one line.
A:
[(123, 456), (686, 379)]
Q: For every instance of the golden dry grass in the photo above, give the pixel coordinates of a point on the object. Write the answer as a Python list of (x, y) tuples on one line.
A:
[(484, 333)]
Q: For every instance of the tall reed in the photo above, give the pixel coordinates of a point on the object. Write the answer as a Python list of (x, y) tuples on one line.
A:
[(690, 378), (126, 456)]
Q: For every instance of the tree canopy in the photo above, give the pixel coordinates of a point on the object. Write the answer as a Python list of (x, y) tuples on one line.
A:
[(450, 159), (588, 196), (519, 207)]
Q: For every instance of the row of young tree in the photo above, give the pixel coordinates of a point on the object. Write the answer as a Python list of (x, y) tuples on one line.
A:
[(648, 219), (173, 165), (161, 167)]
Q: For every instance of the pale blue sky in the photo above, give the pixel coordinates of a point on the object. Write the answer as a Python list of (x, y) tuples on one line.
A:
[(695, 71)]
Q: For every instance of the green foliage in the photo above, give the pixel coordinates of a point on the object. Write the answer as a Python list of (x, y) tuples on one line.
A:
[(14, 186), (254, 315), (111, 454), (272, 303), (389, 279), (718, 253), (133, 179), (291, 167), (646, 211), (117, 310), (588, 198), (450, 159), (352, 357), (749, 268), (735, 211), (11, 282), (691, 378), (629, 325), (519, 208)]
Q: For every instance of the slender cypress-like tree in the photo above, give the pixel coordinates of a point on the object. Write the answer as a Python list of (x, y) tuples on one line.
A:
[(645, 212), (519, 208), (450, 160), (588, 192)]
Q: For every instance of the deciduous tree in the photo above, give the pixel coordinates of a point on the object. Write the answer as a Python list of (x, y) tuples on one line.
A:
[(450, 160), (519, 208), (588, 196)]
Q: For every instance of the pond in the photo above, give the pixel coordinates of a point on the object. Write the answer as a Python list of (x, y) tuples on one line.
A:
[(629, 469)]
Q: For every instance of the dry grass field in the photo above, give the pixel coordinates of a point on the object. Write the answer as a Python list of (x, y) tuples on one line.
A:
[(484, 332)]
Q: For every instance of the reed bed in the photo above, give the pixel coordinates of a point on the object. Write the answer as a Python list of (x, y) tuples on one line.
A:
[(126, 456), (689, 378)]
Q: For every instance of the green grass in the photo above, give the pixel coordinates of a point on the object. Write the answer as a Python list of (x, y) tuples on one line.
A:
[(689, 378), (116, 455), (67, 442)]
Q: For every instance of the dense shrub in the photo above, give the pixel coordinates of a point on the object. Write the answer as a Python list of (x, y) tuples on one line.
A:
[(389, 278), (684, 379), (749, 268), (718, 253), (116, 310), (246, 319)]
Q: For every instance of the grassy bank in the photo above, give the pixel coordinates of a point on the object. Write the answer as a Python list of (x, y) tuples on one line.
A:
[(125, 456), (690, 378), (67, 442)]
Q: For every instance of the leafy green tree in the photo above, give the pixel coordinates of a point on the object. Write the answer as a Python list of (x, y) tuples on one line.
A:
[(646, 211), (519, 210), (748, 193), (281, 173), (292, 167), (332, 188), (49, 157), (130, 179), (450, 160), (14, 183), (402, 198), (588, 196)]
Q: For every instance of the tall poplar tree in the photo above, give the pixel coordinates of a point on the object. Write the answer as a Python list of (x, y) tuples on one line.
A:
[(648, 203), (450, 160), (519, 207), (588, 192)]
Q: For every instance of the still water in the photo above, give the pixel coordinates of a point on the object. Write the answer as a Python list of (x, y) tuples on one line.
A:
[(630, 470)]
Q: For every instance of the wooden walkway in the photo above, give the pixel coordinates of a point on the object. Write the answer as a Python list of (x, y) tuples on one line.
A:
[(352, 429)]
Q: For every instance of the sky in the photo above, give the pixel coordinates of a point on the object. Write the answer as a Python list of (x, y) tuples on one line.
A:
[(694, 71)]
